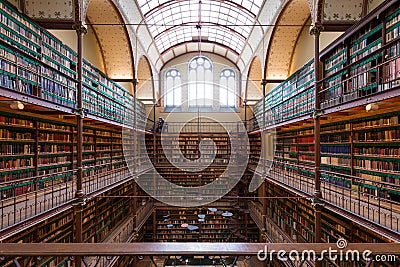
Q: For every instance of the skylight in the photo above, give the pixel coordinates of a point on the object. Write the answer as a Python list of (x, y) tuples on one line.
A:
[(227, 23)]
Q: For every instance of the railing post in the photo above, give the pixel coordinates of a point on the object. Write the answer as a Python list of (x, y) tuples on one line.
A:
[(79, 202)]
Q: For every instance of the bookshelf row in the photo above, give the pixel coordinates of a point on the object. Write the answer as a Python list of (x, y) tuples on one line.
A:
[(39, 146), (177, 148), (295, 216), (364, 63), (201, 225), (35, 63), (290, 99), (367, 148), (101, 216)]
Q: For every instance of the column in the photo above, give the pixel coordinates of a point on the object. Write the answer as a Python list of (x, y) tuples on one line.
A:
[(317, 199), (262, 128), (79, 202)]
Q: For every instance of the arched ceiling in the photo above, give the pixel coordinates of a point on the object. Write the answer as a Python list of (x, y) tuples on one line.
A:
[(284, 39), (113, 39), (217, 26), (218, 35), (254, 87), (145, 88)]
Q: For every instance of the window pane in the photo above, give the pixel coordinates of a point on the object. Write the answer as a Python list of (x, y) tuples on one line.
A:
[(200, 82), (227, 93), (173, 88)]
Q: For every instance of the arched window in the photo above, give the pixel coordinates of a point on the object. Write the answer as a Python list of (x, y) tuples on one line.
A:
[(173, 88), (200, 82), (227, 88)]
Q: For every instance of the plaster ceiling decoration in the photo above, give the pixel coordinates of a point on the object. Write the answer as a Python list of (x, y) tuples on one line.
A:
[(112, 39), (284, 39), (343, 10), (372, 4), (50, 10), (253, 87), (145, 86)]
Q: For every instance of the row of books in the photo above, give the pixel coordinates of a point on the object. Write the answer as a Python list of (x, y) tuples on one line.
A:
[(375, 136), (370, 177), (10, 164), (54, 137), (378, 151), (16, 175), (54, 160), (336, 127), (378, 165), (13, 13), (9, 134), (13, 34), (53, 126), (335, 138), (391, 73), (335, 62), (16, 149), (58, 47), (365, 50), (392, 26), (369, 34), (336, 161), (342, 149), (383, 121), (60, 70), (63, 65), (54, 148)]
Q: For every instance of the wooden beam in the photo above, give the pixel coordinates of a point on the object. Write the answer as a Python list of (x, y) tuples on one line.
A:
[(190, 248)]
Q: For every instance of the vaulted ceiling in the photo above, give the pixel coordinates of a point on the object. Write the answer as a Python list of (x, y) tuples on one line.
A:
[(168, 28)]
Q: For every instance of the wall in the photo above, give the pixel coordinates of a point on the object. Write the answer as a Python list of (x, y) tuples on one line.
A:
[(304, 50), (91, 48)]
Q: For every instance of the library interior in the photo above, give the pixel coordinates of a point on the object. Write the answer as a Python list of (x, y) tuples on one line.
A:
[(199, 133)]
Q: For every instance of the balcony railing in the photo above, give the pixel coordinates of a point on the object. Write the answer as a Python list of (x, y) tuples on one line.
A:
[(344, 192), (27, 198)]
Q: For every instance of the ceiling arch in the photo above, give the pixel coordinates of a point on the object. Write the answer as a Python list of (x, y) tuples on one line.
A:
[(113, 39), (217, 26), (145, 87), (283, 39), (253, 86)]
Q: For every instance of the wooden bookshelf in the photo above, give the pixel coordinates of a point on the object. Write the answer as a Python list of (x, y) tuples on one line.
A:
[(35, 63), (364, 61), (101, 217), (366, 147), (169, 225), (295, 217), (290, 99)]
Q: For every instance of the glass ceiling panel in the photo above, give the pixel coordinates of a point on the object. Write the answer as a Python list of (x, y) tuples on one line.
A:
[(228, 23)]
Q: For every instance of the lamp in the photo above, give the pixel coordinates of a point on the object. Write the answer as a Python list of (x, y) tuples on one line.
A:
[(371, 106), (17, 105)]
